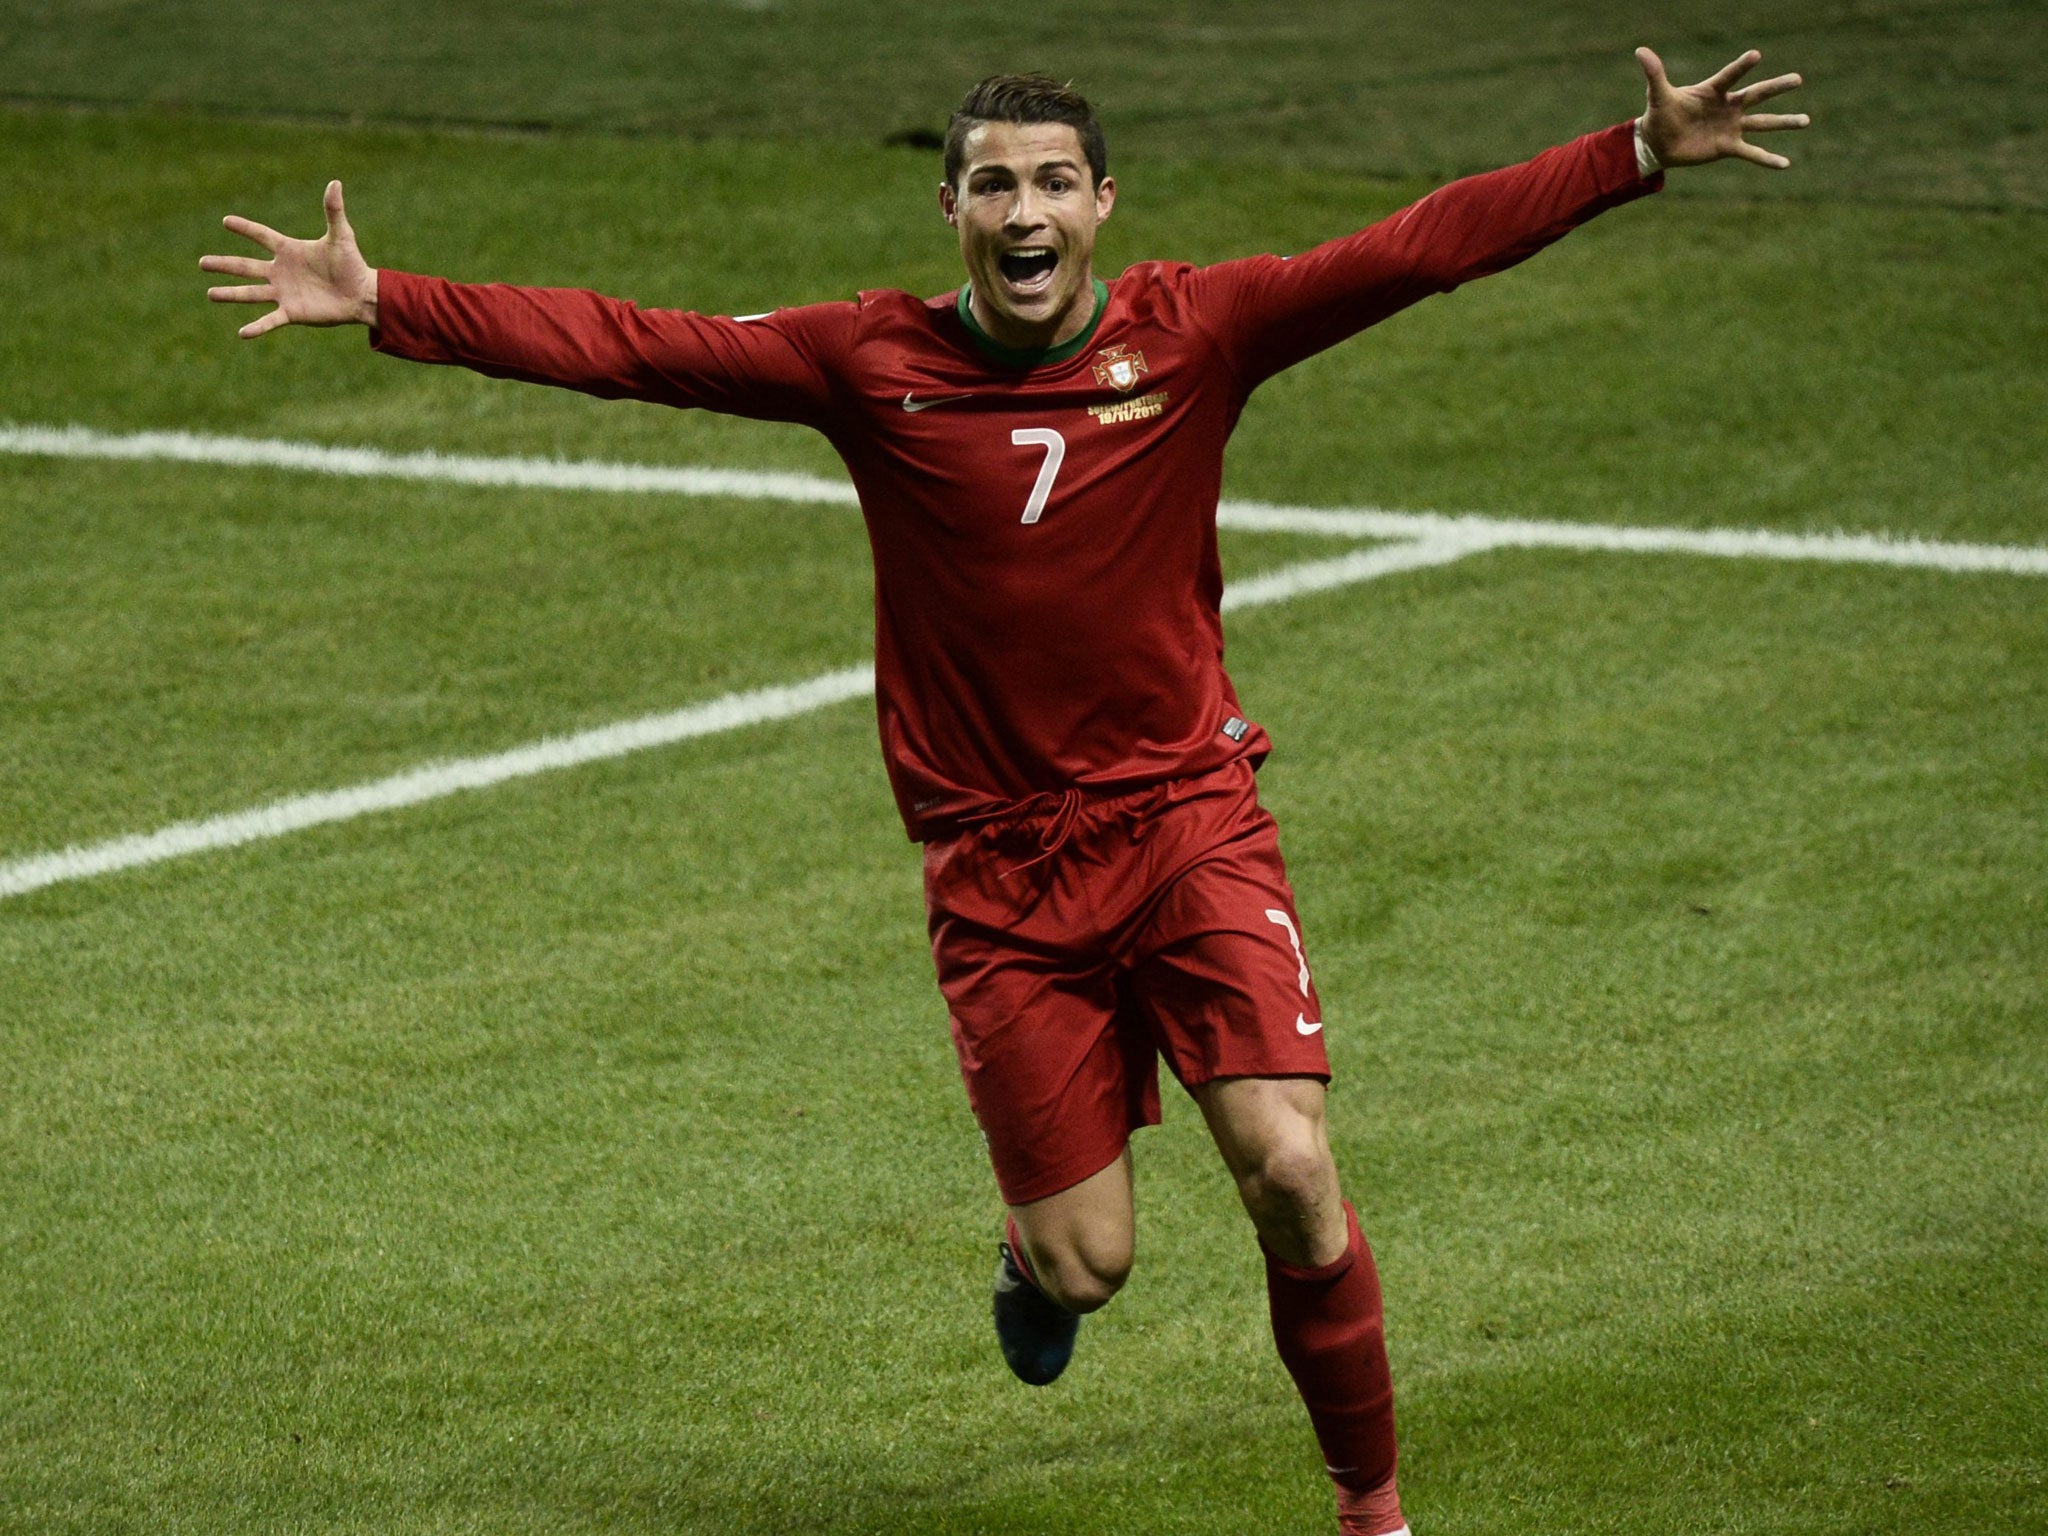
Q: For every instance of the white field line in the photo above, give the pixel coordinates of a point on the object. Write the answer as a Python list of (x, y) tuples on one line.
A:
[(432, 781), (1737, 543), (374, 463), (1359, 565), (1346, 523)]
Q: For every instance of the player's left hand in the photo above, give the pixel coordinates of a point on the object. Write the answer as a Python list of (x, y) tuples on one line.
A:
[(1694, 124)]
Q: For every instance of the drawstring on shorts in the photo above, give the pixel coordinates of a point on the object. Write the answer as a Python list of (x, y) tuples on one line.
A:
[(1052, 837), (1065, 807)]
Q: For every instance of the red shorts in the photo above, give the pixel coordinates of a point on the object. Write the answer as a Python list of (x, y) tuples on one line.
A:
[(1162, 925)]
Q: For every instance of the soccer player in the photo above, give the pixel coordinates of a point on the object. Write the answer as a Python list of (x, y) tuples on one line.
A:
[(1038, 457)]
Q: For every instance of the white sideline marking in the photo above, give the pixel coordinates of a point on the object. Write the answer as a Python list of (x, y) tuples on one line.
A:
[(432, 781), (462, 469), (1252, 516), (1738, 543)]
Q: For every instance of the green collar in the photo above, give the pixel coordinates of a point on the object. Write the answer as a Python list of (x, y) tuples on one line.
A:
[(1030, 357)]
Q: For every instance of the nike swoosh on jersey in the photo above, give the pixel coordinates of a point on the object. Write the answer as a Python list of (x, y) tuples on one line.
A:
[(912, 404), (1303, 1027)]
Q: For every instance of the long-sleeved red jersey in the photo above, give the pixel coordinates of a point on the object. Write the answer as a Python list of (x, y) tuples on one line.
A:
[(1047, 585)]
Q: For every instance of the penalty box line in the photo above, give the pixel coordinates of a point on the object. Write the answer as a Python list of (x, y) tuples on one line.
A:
[(434, 781)]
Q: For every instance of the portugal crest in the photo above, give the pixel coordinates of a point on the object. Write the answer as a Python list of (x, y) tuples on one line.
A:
[(1119, 367)]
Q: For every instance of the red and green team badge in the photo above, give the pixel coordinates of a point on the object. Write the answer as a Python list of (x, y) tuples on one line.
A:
[(1120, 368)]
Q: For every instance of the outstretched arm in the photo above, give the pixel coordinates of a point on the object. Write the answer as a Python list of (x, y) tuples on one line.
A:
[(1268, 314), (312, 282), (1696, 124), (775, 366)]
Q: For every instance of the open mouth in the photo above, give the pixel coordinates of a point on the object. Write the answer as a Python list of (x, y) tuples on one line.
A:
[(1028, 269)]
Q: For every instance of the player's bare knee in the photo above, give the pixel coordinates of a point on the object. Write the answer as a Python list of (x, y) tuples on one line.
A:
[(1084, 1278), (1292, 1179)]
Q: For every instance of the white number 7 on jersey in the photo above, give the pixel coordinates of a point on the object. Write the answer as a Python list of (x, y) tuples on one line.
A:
[(1055, 448)]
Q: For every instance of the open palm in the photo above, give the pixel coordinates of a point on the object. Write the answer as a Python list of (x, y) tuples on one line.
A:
[(1693, 124), (312, 282)]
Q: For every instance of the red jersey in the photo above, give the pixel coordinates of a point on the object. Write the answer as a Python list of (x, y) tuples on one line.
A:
[(1043, 524)]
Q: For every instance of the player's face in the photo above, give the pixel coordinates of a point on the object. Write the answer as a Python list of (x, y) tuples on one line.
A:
[(1027, 212)]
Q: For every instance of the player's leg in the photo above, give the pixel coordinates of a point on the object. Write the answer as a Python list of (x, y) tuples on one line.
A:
[(1066, 1254), (1272, 1137), (1322, 1288), (1058, 1077), (1221, 969), (1076, 1245)]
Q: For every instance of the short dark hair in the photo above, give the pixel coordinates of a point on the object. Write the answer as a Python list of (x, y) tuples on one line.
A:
[(1024, 99)]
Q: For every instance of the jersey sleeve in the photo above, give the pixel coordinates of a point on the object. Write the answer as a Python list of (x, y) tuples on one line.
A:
[(1267, 313), (777, 367)]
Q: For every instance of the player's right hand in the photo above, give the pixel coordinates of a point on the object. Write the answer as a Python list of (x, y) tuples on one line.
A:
[(312, 282)]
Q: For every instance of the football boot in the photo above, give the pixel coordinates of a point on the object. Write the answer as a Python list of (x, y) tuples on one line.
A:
[(1037, 1334)]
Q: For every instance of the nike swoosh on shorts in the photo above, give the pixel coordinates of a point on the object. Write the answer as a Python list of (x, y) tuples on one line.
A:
[(1302, 1025)]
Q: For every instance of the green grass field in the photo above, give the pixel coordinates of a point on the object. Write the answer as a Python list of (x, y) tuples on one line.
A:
[(587, 1153), (1927, 100)]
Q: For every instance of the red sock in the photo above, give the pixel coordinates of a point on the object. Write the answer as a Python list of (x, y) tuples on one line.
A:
[(1327, 1324), (1017, 1248)]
